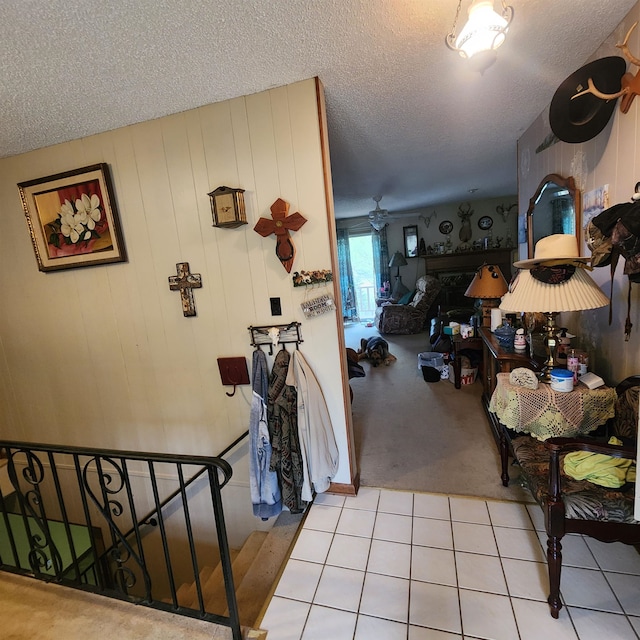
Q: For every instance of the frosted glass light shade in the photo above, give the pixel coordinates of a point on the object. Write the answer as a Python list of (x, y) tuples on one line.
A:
[(485, 30)]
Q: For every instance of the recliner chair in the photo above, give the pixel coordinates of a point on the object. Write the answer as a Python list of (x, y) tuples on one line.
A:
[(412, 317)]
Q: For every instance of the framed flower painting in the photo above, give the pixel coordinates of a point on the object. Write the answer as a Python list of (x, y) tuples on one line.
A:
[(73, 219)]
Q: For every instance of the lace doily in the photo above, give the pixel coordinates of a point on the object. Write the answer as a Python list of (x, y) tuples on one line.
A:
[(545, 413)]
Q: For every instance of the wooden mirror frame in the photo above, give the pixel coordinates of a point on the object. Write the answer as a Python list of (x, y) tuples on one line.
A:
[(410, 234), (567, 183)]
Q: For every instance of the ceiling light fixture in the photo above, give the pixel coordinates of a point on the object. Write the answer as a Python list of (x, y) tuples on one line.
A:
[(378, 217), (484, 32)]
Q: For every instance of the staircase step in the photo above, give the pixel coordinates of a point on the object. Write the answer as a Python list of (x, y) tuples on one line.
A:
[(216, 600), (256, 568), (190, 596), (213, 588), (259, 582)]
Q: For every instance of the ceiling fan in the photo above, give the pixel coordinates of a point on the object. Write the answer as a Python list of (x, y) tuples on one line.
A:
[(378, 217)]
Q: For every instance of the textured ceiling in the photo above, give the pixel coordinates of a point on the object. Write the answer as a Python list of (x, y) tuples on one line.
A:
[(408, 119)]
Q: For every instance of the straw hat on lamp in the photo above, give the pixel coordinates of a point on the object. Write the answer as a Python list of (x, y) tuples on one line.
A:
[(551, 283), (559, 248)]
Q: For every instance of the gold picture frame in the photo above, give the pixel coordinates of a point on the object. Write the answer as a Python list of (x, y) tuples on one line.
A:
[(72, 219)]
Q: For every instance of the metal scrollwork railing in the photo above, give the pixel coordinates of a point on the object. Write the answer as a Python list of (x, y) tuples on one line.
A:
[(72, 516)]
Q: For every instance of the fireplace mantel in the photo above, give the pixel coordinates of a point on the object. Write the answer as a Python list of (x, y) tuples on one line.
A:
[(456, 270), (469, 261)]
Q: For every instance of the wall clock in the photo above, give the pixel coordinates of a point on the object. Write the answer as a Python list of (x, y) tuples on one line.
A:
[(446, 226), (486, 222)]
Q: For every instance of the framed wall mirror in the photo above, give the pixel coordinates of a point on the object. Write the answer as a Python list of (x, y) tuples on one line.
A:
[(410, 241), (554, 208)]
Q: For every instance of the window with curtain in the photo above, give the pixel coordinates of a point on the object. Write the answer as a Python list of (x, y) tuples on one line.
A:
[(363, 259)]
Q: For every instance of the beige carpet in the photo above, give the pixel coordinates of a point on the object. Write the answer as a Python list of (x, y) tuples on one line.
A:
[(37, 610), (419, 436)]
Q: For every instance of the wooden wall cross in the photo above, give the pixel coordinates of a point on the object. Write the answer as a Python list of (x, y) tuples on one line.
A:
[(281, 224), (185, 282)]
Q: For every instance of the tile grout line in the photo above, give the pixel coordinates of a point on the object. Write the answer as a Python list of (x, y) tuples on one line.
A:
[(453, 544), (413, 511), (366, 567), (324, 564), (504, 574)]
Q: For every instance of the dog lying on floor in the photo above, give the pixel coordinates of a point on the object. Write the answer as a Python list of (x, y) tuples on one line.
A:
[(376, 350)]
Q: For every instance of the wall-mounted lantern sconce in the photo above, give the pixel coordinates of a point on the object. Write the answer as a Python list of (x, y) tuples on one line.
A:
[(227, 207)]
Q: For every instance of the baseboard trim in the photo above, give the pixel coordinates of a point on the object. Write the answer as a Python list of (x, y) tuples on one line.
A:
[(345, 489)]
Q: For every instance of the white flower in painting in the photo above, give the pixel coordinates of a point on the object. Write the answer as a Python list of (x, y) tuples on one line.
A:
[(70, 227), (67, 209), (88, 210)]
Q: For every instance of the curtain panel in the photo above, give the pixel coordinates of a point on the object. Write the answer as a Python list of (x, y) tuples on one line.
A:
[(347, 291), (380, 256)]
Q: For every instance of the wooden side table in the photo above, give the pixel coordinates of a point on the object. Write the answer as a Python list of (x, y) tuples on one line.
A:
[(497, 360), (500, 360), (460, 343)]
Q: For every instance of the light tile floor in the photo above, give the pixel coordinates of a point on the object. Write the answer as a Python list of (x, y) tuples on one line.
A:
[(389, 565)]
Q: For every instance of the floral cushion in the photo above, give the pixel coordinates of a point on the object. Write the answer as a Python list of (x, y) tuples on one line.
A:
[(626, 421), (583, 500)]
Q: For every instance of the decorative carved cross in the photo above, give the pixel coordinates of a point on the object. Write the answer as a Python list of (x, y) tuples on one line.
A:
[(185, 282), (281, 225)]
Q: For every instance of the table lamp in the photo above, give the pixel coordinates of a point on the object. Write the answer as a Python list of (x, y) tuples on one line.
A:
[(568, 288), (489, 285), (398, 260)]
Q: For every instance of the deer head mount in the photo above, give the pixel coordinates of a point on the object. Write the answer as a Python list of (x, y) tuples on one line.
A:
[(630, 83), (464, 213), (505, 211), (426, 218)]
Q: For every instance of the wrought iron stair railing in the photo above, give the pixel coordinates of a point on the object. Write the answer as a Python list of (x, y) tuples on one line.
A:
[(72, 518)]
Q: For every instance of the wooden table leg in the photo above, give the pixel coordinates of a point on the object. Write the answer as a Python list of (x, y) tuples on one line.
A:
[(504, 457), (457, 365)]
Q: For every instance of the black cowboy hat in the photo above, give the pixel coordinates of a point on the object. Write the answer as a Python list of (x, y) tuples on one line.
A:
[(585, 117)]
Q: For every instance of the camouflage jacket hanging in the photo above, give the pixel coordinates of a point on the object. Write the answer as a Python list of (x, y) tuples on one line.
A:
[(282, 418)]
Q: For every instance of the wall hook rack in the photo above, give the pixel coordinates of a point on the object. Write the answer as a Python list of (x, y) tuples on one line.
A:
[(287, 333), (233, 372)]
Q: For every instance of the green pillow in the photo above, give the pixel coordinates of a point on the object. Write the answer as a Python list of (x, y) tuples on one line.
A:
[(407, 297)]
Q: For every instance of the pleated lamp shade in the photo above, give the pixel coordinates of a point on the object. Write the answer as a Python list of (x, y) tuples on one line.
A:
[(578, 293)]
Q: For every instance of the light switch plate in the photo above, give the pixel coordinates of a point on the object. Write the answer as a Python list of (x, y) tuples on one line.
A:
[(276, 306)]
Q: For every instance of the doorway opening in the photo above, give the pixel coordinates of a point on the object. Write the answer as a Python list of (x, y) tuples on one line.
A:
[(364, 277)]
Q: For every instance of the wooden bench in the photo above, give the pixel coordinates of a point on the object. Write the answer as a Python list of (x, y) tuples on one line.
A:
[(579, 506)]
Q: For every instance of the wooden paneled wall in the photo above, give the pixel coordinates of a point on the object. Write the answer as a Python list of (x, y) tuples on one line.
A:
[(103, 356), (611, 158)]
